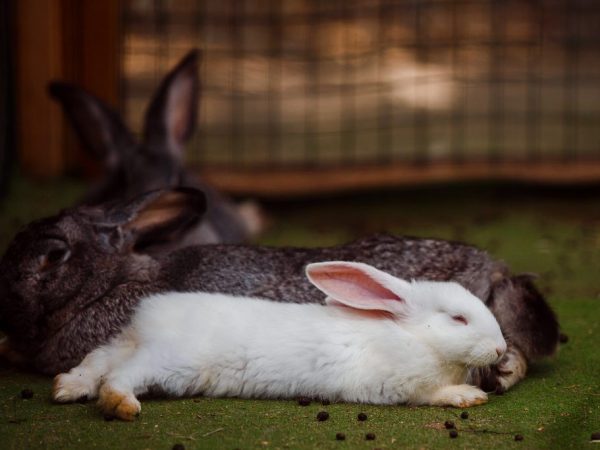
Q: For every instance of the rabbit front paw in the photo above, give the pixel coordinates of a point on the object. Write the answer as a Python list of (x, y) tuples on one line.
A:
[(459, 396), (122, 405), (72, 387), (510, 370), (502, 376)]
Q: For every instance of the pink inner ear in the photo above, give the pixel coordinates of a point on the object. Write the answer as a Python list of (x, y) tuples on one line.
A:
[(354, 288), (179, 107)]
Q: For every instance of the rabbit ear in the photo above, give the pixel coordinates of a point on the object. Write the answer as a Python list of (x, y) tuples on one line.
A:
[(359, 286), (171, 117), (97, 125), (154, 218)]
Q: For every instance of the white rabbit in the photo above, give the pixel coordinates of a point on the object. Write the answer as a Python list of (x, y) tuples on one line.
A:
[(378, 340)]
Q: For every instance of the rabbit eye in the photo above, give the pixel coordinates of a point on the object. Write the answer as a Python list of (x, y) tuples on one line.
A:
[(55, 256), (460, 319)]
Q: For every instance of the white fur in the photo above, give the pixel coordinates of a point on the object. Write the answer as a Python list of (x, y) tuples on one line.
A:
[(218, 345)]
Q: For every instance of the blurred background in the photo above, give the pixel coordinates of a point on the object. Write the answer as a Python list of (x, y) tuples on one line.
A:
[(307, 96), (348, 83), (475, 120)]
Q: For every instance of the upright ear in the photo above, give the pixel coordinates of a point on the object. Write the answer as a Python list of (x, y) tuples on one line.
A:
[(360, 286), (97, 125), (171, 117), (154, 218)]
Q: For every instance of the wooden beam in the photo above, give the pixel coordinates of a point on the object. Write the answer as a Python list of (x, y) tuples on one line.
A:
[(40, 138), (95, 40), (278, 183), (71, 40), (100, 54)]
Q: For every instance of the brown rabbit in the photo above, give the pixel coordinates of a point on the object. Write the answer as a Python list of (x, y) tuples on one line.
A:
[(132, 167), (69, 282)]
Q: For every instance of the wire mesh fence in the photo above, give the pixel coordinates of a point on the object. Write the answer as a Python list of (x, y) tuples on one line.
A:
[(347, 83)]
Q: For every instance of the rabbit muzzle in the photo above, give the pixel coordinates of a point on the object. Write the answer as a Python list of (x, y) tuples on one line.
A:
[(487, 352)]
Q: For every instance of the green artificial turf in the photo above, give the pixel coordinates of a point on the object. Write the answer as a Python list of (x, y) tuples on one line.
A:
[(554, 233)]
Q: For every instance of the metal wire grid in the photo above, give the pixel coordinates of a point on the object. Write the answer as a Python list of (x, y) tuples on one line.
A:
[(310, 83)]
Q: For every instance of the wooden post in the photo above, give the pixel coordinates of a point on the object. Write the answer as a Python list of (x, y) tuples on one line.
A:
[(91, 44), (71, 40), (39, 55)]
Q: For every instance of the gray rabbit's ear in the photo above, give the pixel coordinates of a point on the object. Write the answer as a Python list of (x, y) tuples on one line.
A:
[(154, 218), (98, 126), (171, 117)]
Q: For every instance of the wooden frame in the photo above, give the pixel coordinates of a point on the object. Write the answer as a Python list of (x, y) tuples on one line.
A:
[(282, 182), (79, 41), (71, 40)]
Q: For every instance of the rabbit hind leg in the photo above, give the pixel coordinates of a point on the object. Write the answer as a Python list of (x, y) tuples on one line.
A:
[(146, 369), (117, 394)]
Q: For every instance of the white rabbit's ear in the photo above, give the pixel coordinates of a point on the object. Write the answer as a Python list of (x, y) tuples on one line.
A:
[(359, 286)]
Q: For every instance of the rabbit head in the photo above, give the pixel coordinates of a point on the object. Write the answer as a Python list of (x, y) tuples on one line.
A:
[(446, 316), (134, 167), (58, 267)]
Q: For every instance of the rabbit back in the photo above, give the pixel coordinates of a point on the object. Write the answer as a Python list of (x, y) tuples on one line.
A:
[(278, 273)]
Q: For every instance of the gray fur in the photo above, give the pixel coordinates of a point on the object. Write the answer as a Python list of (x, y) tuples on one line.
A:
[(132, 167), (55, 312)]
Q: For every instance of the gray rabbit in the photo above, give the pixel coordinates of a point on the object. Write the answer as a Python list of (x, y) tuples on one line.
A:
[(156, 161), (69, 282)]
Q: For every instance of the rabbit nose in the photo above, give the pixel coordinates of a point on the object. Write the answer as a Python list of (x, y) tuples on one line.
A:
[(500, 351)]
